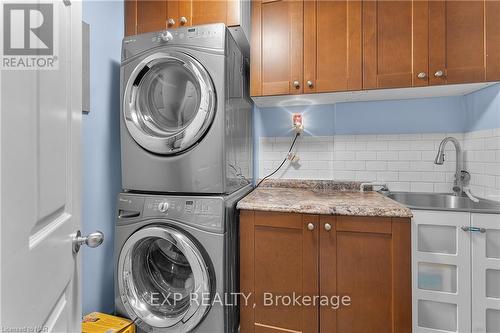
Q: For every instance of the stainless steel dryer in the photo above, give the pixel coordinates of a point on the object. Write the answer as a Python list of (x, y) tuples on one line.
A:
[(176, 259), (186, 122)]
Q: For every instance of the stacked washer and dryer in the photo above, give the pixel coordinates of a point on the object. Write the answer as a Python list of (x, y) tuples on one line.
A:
[(186, 140)]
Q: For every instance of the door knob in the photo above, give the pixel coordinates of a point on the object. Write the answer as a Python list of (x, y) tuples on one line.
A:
[(91, 240), (328, 226), (296, 84), (439, 73), (309, 83), (310, 226), (183, 20), (422, 75), (170, 21)]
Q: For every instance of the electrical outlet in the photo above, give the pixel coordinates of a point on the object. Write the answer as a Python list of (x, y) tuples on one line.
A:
[(298, 124)]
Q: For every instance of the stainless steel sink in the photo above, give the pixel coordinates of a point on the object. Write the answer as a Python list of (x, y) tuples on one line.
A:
[(438, 201)]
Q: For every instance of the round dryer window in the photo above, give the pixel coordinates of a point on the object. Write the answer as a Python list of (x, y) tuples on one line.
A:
[(169, 103), (162, 278)]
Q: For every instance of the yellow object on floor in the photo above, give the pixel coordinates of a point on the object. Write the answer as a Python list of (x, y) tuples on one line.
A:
[(97, 322)]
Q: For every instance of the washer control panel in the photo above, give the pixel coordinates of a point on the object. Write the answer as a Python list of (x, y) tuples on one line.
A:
[(197, 211)]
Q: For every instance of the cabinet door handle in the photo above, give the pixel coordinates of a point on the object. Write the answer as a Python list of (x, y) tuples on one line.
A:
[(170, 21), (309, 83), (474, 229), (328, 226), (310, 226), (183, 20), (439, 73), (422, 75), (296, 84)]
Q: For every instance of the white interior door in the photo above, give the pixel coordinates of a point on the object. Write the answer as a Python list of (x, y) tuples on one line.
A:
[(40, 121), (441, 272), (486, 273)]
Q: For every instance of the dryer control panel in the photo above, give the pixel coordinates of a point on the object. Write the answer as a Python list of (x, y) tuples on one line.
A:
[(201, 212), (209, 36)]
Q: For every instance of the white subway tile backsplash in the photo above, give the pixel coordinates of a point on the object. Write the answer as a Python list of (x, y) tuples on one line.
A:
[(366, 156), (376, 145), (398, 166), (344, 175), (376, 165), (422, 145), (387, 176), (422, 187), (387, 156), (410, 155), (355, 165), (404, 161), (399, 145), (356, 146), (410, 176), (399, 186)]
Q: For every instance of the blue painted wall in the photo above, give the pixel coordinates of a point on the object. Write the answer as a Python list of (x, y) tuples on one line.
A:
[(483, 109), (101, 151), (428, 115)]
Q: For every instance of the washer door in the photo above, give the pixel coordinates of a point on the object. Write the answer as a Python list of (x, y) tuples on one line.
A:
[(169, 103), (163, 279)]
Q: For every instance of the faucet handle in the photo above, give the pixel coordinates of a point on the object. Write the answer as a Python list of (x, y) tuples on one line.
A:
[(464, 177)]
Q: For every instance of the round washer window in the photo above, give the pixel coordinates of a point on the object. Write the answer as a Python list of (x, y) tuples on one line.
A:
[(169, 103), (160, 271)]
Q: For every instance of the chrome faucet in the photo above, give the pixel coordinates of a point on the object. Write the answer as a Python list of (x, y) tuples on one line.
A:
[(462, 177)]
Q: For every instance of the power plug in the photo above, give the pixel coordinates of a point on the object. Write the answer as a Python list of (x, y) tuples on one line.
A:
[(297, 123)]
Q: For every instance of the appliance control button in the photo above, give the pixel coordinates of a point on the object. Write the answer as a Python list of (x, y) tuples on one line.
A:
[(163, 206), (166, 36)]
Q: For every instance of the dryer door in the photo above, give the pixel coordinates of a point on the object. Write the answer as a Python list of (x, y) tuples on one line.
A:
[(169, 103), (164, 280)]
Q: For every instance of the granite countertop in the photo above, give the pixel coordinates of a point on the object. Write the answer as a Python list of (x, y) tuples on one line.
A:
[(321, 197)]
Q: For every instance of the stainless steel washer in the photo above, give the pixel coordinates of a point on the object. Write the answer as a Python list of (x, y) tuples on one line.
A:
[(186, 114), (176, 257)]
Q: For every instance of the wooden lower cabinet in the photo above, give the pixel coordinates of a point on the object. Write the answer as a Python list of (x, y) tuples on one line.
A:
[(360, 264)]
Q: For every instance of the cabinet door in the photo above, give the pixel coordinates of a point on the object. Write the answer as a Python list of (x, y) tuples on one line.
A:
[(276, 47), (492, 40), (332, 46), (328, 272), (457, 42), (486, 273), (206, 12), (130, 17), (395, 43), (173, 12), (151, 16), (278, 257), (373, 268), (441, 272)]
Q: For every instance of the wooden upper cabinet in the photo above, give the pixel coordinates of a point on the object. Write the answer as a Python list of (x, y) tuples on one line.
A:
[(492, 40), (463, 45), (152, 15), (332, 46), (279, 256), (276, 47), (395, 43)]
